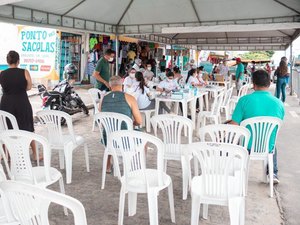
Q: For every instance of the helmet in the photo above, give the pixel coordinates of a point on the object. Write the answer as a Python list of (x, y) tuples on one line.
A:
[(70, 69)]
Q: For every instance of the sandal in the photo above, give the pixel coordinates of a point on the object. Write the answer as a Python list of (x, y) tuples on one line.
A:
[(110, 170)]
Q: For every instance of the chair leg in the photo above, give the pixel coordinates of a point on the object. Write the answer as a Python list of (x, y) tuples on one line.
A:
[(147, 118), (242, 212), (165, 165), (62, 190), (94, 123), (236, 210), (152, 206), (205, 211), (185, 179), (196, 205), (68, 159), (196, 167), (121, 206), (104, 164), (61, 159), (171, 202), (265, 167), (86, 153), (132, 199), (271, 173)]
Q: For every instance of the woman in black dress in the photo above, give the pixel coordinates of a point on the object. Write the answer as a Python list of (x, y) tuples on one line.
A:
[(15, 83)]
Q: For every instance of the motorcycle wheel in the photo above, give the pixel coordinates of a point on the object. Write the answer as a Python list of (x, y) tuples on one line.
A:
[(85, 109)]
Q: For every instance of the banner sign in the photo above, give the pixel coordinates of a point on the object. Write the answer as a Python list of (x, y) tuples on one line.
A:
[(38, 51)]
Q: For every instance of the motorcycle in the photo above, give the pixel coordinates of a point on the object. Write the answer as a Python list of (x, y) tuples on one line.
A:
[(62, 98)]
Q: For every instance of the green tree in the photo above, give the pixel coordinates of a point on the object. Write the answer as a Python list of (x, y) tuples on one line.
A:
[(258, 55)]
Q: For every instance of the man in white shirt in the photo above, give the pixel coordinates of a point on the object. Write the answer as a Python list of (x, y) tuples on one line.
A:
[(168, 84), (148, 74), (130, 84), (223, 69)]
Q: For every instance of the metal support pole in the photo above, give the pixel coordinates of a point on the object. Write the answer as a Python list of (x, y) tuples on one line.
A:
[(291, 69), (117, 54), (171, 56)]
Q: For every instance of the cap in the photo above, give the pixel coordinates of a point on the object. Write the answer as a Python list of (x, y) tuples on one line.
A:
[(238, 59)]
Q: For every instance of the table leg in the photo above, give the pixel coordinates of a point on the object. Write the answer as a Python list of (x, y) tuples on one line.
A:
[(206, 102), (193, 110), (156, 106), (184, 113)]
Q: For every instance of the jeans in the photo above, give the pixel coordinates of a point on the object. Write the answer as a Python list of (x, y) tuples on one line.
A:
[(280, 87)]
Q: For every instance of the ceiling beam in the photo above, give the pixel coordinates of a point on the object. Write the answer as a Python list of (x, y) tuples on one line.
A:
[(280, 31), (125, 11), (295, 35), (196, 13), (286, 6), (74, 7)]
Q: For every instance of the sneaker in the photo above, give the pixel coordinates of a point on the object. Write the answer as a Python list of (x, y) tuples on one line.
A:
[(275, 179)]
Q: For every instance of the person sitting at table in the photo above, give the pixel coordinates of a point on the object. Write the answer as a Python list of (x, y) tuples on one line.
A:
[(142, 94), (148, 74), (193, 79), (177, 76), (129, 83), (168, 85)]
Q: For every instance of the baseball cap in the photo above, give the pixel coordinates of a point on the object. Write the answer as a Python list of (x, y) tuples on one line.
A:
[(238, 59)]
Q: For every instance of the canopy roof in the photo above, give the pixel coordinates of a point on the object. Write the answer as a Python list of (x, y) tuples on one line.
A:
[(209, 24)]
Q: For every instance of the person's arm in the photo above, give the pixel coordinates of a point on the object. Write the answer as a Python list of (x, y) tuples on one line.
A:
[(160, 87), (137, 117), (29, 81)]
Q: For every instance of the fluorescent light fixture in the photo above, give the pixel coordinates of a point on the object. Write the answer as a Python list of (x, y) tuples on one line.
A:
[(5, 2)]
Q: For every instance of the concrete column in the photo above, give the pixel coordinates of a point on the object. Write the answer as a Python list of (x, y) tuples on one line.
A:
[(291, 69), (117, 54)]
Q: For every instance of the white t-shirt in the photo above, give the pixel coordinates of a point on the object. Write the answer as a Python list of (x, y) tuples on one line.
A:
[(168, 85), (143, 100), (130, 84), (223, 70), (193, 81), (148, 75)]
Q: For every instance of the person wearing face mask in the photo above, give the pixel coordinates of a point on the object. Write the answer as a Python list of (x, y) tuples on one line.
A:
[(130, 83), (137, 64), (192, 78), (168, 84), (148, 74), (101, 72)]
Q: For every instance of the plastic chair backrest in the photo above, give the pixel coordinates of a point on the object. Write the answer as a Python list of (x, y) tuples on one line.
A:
[(261, 129), (17, 142), (172, 127), (29, 204), (227, 97), (132, 145), (5, 119), (96, 96), (111, 122), (225, 133), (218, 162), (2, 174), (52, 119), (243, 90), (216, 105)]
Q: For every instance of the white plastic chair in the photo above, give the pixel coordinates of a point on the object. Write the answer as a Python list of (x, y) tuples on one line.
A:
[(234, 99), (261, 129), (137, 178), (213, 114), (6, 117), (30, 204), (226, 103), (147, 118), (17, 143), (172, 127), (65, 142), (111, 122), (221, 182), (95, 94)]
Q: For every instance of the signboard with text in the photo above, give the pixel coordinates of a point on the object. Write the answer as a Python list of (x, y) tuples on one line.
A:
[(38, 51)]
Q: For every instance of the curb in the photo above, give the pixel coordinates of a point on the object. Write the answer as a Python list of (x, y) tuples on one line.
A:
[(280, 207)]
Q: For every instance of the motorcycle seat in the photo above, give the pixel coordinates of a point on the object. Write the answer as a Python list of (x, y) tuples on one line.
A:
[(54, 93)]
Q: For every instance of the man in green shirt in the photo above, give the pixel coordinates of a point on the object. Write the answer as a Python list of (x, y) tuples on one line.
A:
[(239, 74), (101, 72), (260, 103)]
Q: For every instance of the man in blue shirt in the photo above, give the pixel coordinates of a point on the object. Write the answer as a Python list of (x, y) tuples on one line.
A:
[(260, 103)]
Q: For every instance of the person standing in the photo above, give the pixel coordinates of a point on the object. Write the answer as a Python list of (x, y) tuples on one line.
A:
[(260, 103), (281, 73), (239, 74), (223, 70), (15, 83), (101, 72), (162, 64)]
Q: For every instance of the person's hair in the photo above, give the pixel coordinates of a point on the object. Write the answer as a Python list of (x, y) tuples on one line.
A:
[(176, 69), (170, 74), (139, 77), (12, 57), (115, 81), (261, 78), (109, 52), (167, 70), (282, 69), (190, 73), (164, 56), (283, 58)]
